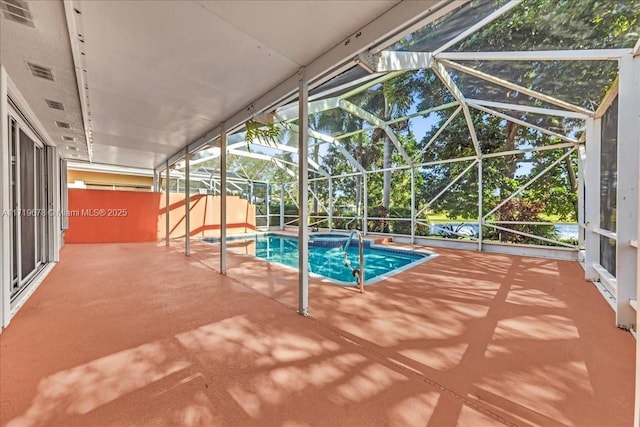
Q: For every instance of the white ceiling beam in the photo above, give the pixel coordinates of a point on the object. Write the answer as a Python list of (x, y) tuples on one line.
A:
[(538, 55), (528, 109), (215, 154), (558, 146), (258, 156), (376, 121), (290, 112), (424, 112), (290, 149), (382, 31), (518, 88), (448, 82), (74, 26), (524, 123), (474, 28), (362, 88), (353, 133), (387, 61), (364, 81), (280, 147)]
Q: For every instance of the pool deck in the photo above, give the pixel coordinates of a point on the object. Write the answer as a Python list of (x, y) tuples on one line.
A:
[(139, 334)]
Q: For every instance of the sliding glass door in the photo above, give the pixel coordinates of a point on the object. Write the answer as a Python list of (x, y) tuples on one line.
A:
[(29, 203)]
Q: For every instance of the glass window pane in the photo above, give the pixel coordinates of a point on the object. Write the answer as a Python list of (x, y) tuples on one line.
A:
[(27, 202), (609, 168), (608, 254)]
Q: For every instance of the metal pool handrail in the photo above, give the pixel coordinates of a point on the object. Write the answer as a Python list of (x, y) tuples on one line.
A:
[(357, 272)]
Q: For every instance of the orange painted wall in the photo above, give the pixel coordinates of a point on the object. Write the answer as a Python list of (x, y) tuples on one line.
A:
[(112, 216), (106, 216), (205, 216)]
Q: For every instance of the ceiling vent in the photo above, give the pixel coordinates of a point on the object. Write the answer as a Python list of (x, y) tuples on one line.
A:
[(64, 125), (69, 138), (40, 71), (72, 148), (17, 11), (54, 104)]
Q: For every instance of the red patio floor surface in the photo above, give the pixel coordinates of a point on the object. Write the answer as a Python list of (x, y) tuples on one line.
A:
[(138, 334)]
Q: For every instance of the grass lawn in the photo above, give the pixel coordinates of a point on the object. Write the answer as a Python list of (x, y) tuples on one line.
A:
[(442, 217)]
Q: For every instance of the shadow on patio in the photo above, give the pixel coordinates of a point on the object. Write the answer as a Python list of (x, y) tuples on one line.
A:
[(137, 334)]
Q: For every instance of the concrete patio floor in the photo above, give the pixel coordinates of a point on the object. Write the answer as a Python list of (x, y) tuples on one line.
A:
[(139, 334)]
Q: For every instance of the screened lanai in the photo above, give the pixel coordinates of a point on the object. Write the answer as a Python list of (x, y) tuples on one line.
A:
[(492, 143), (502, 126)]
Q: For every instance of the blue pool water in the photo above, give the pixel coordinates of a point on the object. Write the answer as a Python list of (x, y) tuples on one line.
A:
[(326, 256)]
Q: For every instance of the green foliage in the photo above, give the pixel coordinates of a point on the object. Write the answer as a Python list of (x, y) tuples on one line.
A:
[(267, 133), (557, 25), (378, 225), (533, 25), (522, 211)]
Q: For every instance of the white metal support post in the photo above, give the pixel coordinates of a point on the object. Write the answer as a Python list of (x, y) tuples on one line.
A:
[(636, 119), (167, 205), (155, 186), (54, 202), (480, 202), (282, 193), (592, 197), (5, 188), (627, 186), (330, 190), (413, 205), (303, 196), (365, 203), (187, 205), (267, 201), (223, 201)]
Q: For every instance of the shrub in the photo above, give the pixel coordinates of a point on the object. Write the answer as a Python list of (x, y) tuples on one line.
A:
[(378, 225), (525, 211)]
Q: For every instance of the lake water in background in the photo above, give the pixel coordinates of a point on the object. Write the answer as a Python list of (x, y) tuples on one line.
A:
[(565, 231)]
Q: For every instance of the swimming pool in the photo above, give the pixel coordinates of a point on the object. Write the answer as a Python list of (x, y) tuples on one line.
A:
[(326, 256)]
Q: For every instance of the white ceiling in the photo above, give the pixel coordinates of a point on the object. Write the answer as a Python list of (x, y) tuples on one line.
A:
[(46, 44), (160, 74)]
